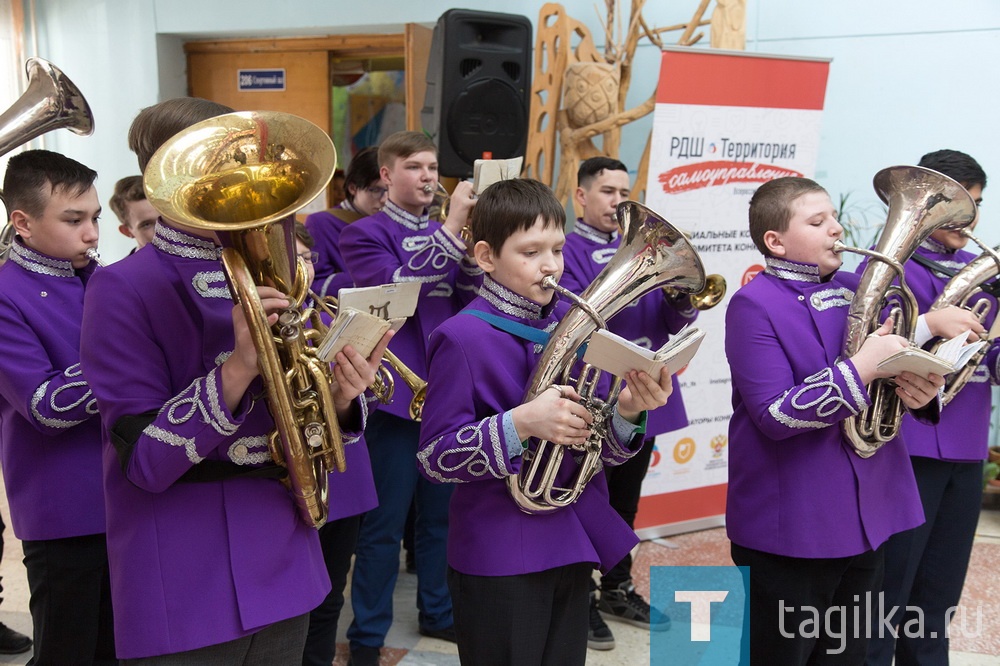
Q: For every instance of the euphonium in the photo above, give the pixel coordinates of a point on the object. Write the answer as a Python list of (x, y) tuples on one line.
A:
[(50, 101), (652, 254), (920, 201), (964, 287), (244, 175)]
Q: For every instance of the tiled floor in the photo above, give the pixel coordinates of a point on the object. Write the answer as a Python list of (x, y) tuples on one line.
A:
[(710, 547)]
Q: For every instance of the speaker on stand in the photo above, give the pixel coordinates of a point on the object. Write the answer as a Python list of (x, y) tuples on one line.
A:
[(478, 87)]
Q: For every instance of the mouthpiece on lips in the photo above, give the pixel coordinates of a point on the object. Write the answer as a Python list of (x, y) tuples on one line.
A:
[(428, 188)]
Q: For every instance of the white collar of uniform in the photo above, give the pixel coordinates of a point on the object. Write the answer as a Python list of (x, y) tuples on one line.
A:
[(792, 270), (505, 300), (408, 220), (180, 244), (581, 228), (932, 245), (36, 262)]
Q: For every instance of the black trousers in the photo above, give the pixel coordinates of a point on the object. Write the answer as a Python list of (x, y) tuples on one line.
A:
[(70, 601), (276, 644), (624, 490), (925, 567), (809, 611), (338, 539), (531, 619)]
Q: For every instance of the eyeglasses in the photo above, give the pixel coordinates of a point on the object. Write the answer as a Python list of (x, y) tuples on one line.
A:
[(376, 191), (310, 257)]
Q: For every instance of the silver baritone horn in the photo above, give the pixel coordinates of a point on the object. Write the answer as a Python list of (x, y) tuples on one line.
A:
[(652, 254), (963, 288), (920, 201), (50, 101)]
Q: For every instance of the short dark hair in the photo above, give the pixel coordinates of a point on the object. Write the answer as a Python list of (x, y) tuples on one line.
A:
[(593, 167), (956, 165), (771, 206), (403, 144), (35, 175), (156, 124), (127, 190), (509, 206), (302, 234), (362, 171)]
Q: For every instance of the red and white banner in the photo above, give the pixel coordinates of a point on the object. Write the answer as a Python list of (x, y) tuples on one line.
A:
[(724, 123)]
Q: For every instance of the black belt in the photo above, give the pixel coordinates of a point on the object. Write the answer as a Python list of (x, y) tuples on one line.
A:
[(992, 288)]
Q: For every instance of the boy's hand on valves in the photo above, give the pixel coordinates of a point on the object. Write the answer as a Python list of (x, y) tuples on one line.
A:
[(555, 415), (952, 320), (460, 205), (877, 347)]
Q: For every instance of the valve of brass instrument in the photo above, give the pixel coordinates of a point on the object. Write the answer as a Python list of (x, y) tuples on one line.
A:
[(455, 208)]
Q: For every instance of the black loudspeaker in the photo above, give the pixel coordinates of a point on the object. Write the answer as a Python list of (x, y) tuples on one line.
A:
[(478, 87)]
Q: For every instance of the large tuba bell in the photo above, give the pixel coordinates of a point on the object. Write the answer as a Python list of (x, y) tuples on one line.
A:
[(244, 175), (50, 101), (920, 201), (963, 288), (652, 254)]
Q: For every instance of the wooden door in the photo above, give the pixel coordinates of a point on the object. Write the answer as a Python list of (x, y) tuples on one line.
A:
[(305, 90), (417, 47)]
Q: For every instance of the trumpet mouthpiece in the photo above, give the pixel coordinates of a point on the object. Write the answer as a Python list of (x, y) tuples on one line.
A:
[(428, 188), (839, 246), (94, 255)]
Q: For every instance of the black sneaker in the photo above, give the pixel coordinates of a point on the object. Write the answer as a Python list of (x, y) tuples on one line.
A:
[(599, 637), (623, 604), (13, 642), (363, 655), (446, 634)]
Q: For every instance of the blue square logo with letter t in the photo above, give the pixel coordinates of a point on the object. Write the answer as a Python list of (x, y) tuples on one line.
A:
[(708, 613)]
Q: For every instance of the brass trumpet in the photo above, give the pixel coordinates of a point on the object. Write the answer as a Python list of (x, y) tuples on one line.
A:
[(384, 385)]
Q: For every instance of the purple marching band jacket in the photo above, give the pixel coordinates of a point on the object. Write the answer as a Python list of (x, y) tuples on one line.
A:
[(963, 432), (395, 246), (648, 322), (325, 227), (467, 437), (51, 436), (194, 562), (796, 487)]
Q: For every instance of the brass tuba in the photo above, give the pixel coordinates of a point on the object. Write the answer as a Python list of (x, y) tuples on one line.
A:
[(244, 175), (920, 201), (50, 101), (652, 254), (961, 289)]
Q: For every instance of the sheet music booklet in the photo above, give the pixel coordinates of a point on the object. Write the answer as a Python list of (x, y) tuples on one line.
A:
[(364, 314), (613, 353), (949, 357), (487, 172)]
